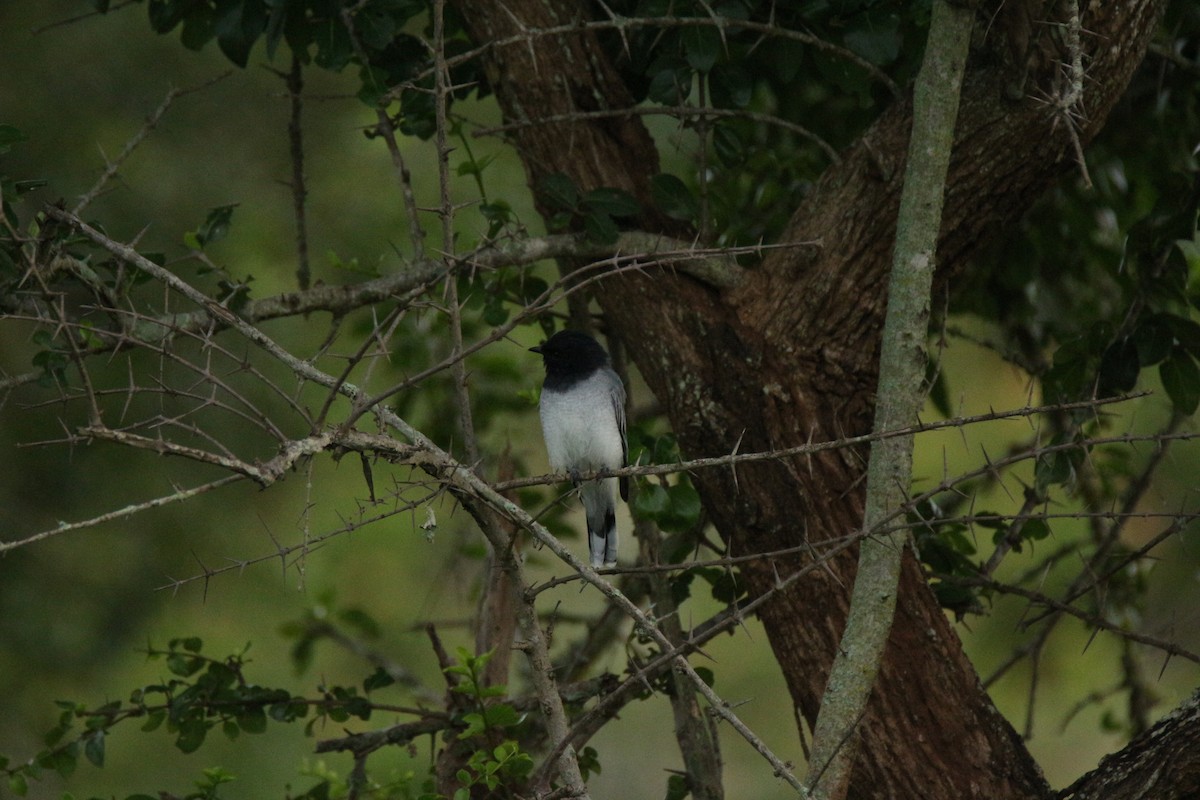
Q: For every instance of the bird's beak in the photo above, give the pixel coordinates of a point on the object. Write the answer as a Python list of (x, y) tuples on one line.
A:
[(537, 349)]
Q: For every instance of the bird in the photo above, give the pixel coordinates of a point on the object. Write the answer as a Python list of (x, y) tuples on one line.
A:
[(582, 409)]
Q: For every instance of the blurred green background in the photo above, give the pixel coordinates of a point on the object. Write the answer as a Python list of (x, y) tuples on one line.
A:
[(76, 610)]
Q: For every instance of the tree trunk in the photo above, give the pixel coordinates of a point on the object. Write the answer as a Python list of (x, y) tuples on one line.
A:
[(1161, 763), (791, 354)]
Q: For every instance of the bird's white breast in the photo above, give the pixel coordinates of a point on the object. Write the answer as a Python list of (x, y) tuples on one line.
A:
[(580, 426)]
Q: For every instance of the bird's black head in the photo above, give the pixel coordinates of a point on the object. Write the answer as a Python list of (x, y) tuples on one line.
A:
[(570, 356)]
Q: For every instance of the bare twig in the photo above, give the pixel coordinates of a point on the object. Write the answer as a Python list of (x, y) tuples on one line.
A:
[(295, 87)]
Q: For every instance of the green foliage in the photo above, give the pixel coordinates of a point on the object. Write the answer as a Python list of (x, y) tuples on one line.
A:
[(11, 191), (205, 693), (504, 765), (595, 212), (756, 169), (214, 228), (674, 198), (331, 35), (500, 766), (673, 504)]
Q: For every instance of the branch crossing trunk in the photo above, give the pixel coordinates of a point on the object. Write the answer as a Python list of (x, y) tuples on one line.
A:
[(899, 399)]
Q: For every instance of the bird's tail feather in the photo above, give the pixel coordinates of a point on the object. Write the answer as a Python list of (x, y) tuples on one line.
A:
[(600, 506)]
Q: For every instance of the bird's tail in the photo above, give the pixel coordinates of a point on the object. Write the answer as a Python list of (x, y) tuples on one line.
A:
[(600, 506)]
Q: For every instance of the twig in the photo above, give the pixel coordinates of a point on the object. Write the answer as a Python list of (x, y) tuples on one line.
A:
[(112, 167), (177, 496), (295, 87), (458, 371), (385, 129), (1094, 620)]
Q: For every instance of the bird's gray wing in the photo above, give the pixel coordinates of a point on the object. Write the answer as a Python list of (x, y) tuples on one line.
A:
[(616, 393)]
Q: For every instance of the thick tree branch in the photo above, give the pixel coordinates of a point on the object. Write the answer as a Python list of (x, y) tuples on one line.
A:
[(903, 358), (1160, 764)]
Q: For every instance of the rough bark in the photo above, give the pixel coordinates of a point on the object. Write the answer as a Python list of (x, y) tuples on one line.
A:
[(1161, 763), (791, 353)]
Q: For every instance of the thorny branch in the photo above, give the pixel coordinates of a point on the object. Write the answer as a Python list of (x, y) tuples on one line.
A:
[(633, 250)]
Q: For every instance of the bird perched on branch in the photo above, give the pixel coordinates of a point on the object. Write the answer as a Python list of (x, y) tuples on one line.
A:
[(583, 422)]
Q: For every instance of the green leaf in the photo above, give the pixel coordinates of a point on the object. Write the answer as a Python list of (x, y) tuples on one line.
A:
[(728, 144), (199, 28), (600, 228), (731, 86), (154, 720), (184, 666), (613, 202), (238, 25), (1119, 368), (1187, 332), (671, 82), (878, 42), (1154, 339), (215, 228), (281, 712), (589, 761), (1035, 529), (501, 715), (214, 777), (166, 14), (673, 198), (253, 720), (61, 761), (18, 784), (474, 166), (1052, 469), (498, 214), (377, 680), (684, 508), (652, 500), (93, 748), (375, 27), (955, 597), (727, 588), (677, 787), (475, 725), (559, 191), (494, 312), (1181, 379), (191, 735), (702, 46)]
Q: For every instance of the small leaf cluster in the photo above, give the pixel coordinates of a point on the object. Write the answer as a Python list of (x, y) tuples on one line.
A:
[(203, 694), (595, 212), (11, 189), (313, 29), (671, 503), (948, 547), (700, 57), (502, 766), (494, 293), (331, 35)]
